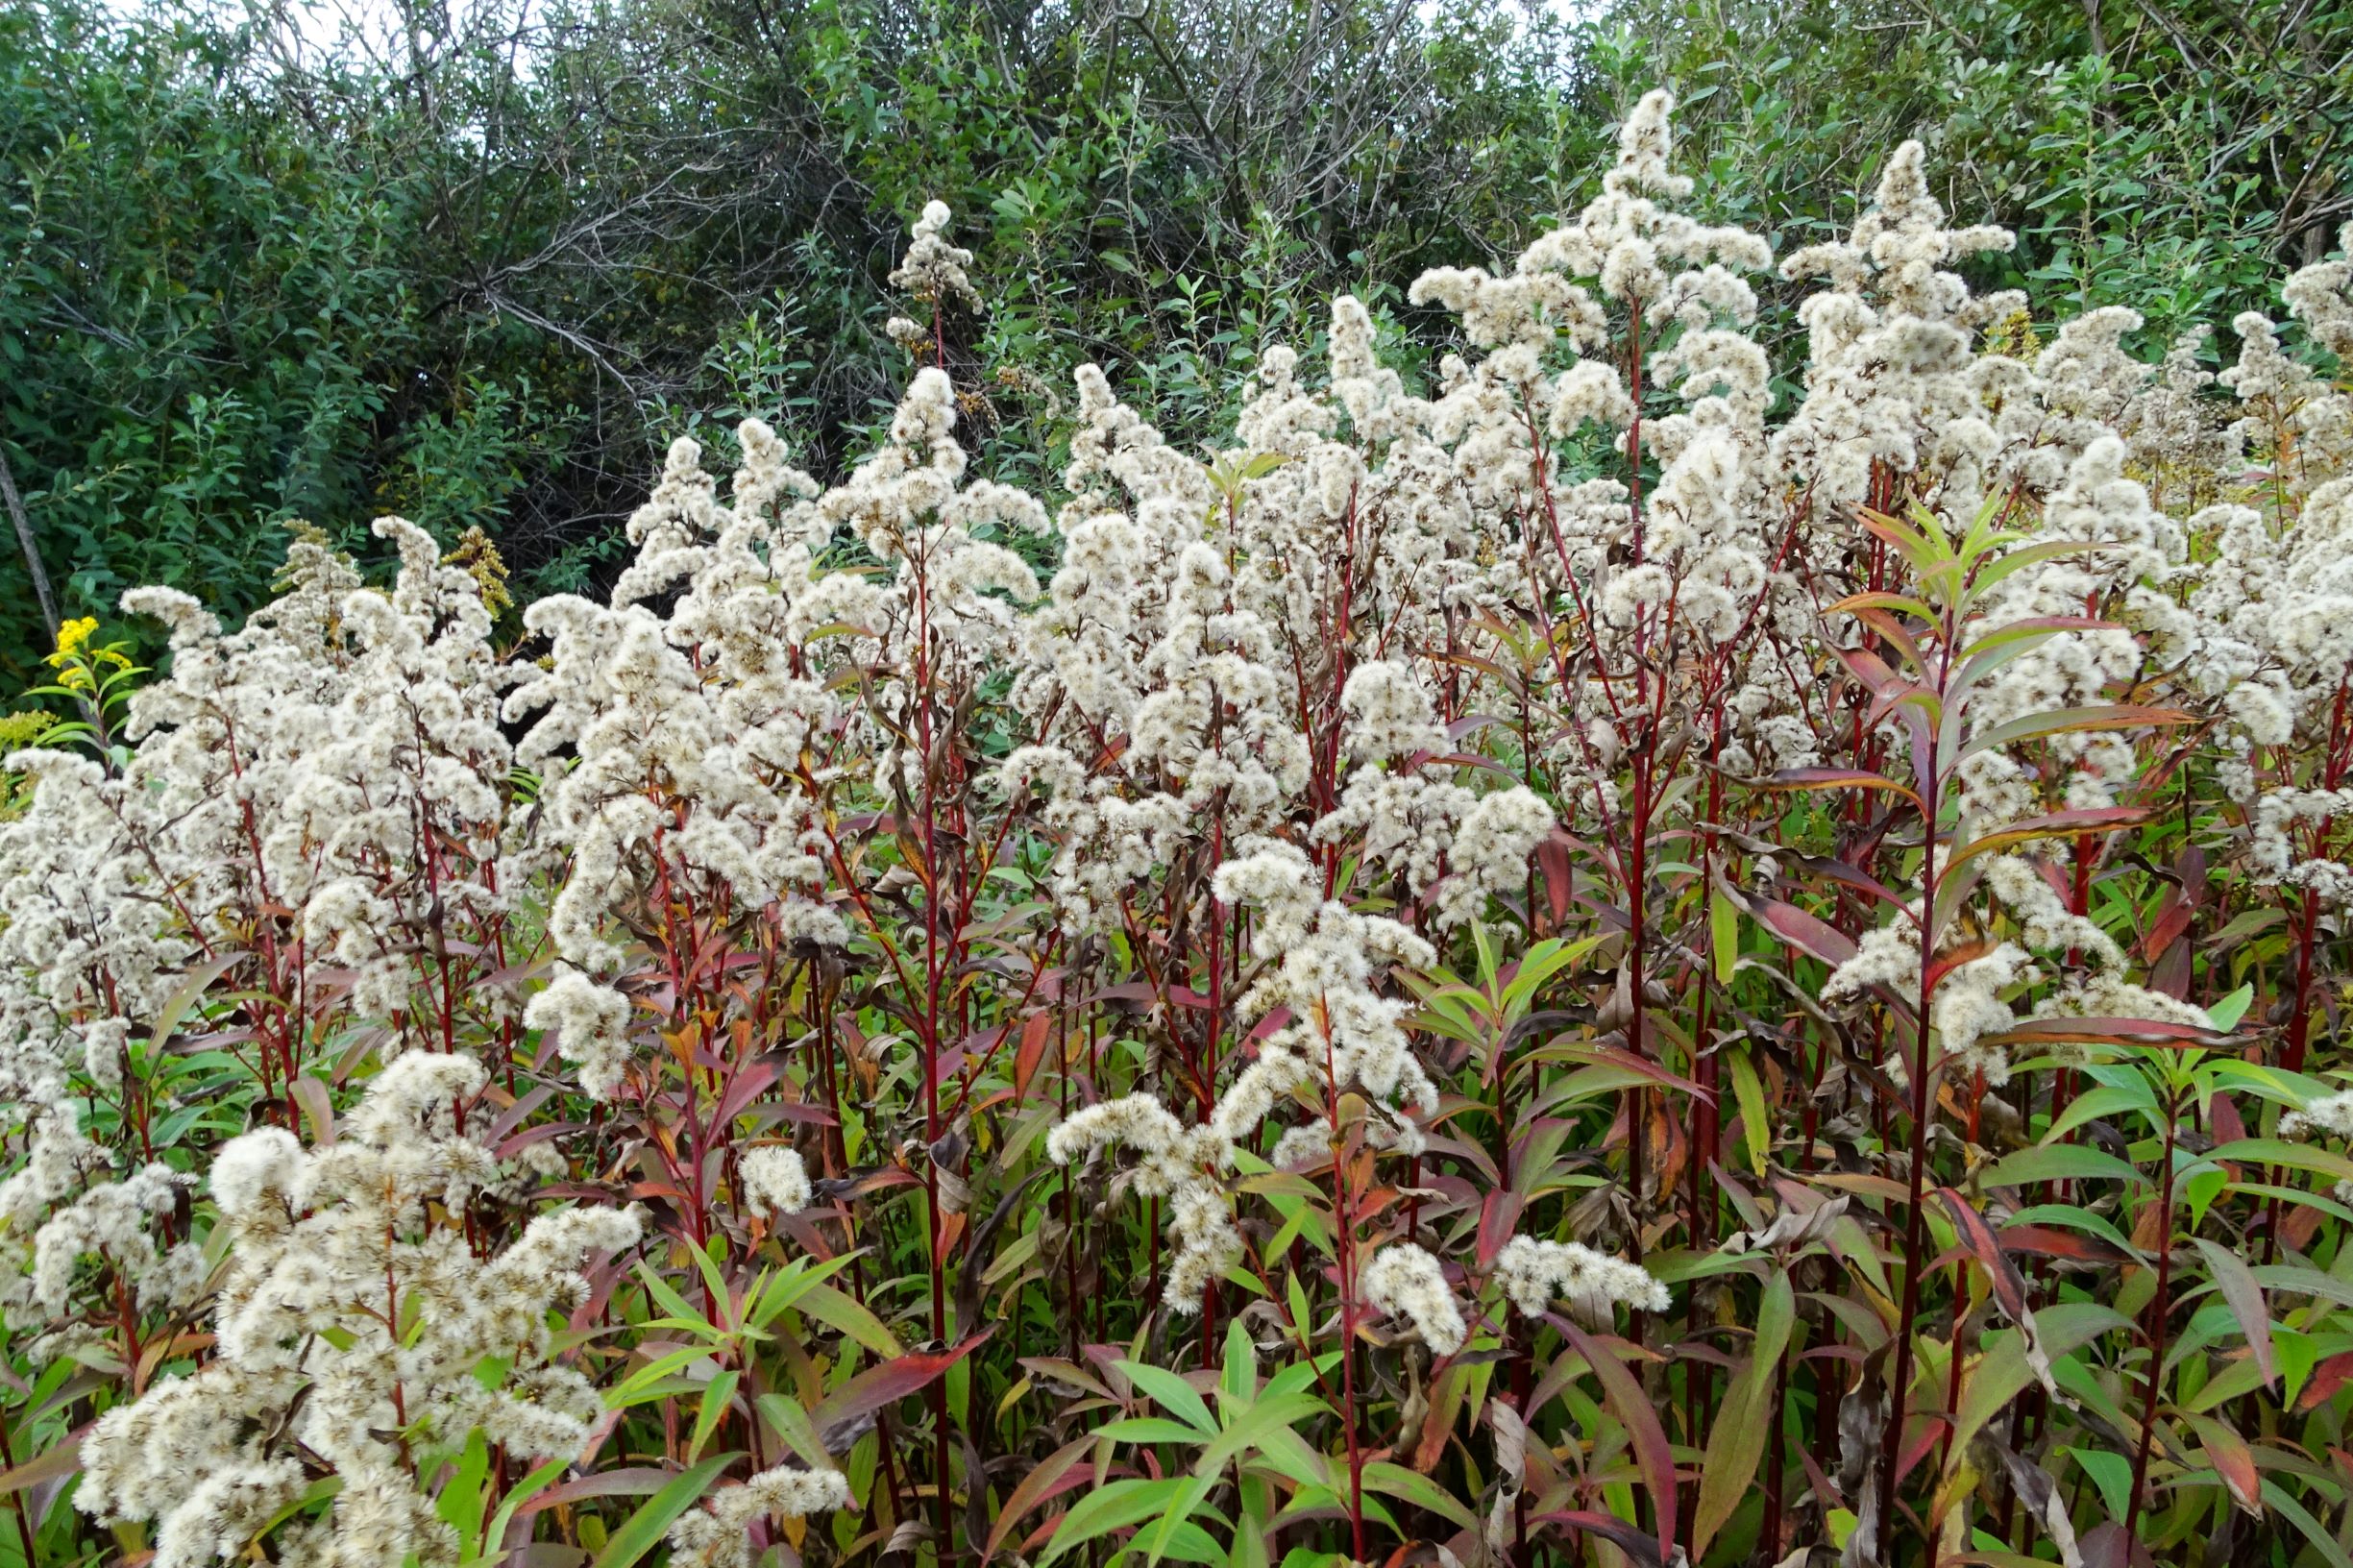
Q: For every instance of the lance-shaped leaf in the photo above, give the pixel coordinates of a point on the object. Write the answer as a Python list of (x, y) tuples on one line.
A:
[(1989, 652), (2071, 722), (1635, 1411), (2327, 1379), (843, 1415), (1882, 600), (2236, 1283), (1835, 778), (2026, 555), (1119, 1505), (653, 1517), (2057, 824), (1922, 546), (1984, 1244), (1746, 1419), (1842, 872), (2231, 1457), (1640, 1548), (2161, 1032), (1035, 1487), (1804, 932), (1873, 610)]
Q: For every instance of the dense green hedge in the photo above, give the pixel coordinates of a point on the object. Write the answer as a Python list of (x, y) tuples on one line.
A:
[(472, 276)]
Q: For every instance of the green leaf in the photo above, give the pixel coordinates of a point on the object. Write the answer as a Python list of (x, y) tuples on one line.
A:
[(1756, 1127), (1746, 1419), (1543, 961), (2237, 1284), (789, 1283), (673, 1302), (1240, 1376), (2296, 1280), (1150, 1429), (2226, 1014), (1723, 934), (2111, 1473), (654, 1516), (523, 1491), (462, 1497), (2057, 1162), (849, 1318), (649, 1382), (1111, 1507), (2298, 1354), (716, 1398), (787, 1418), (1157, 1538), (1413, 1486), (2275, 1151), (1171, 1392), (2311, 1529), (1276, 1413), (2036, 727), (2202, 1187), (2106, 1100)]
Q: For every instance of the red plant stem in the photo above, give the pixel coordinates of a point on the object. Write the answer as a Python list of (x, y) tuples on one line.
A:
[(1952, 1382), (1523, 1395), (930, 1033), (1634, 429), (1899, 1385), (17, 1503), (2158, 1310), (2300, 1020), (1775, 1460), (1209, 1055), (1344, 1221), (1638, 1118), (2332, 777)]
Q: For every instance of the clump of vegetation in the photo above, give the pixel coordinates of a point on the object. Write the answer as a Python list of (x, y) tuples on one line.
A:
[(1562, 959)]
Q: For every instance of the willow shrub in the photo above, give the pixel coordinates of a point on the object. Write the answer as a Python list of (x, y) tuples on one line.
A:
[(1565, 965)]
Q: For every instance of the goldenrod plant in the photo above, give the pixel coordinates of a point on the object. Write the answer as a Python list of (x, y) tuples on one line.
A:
[(1636, 953)]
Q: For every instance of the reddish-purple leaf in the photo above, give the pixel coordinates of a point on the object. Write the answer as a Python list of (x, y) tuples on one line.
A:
[(1044, 1481), (2329, 1375), (636, 1480), (1872, 671), (2232, 1459), (1499, 1216), (1639, 1547), (1634, 1409), (62, 1460), (1803, 931), (2073, 722), (842, 1416), (2057, 824), (2172, 919), (1835, 778), (2044, 1241), (745, 1087), (2238, 1284), (1026, 1061), (1985, 1245), (1552, 860), (2105, 1031)]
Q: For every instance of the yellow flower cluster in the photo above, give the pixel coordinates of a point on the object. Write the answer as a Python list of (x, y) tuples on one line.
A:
[(76, 662)]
